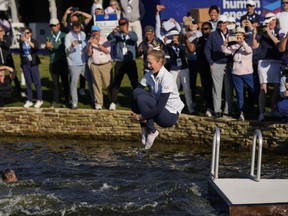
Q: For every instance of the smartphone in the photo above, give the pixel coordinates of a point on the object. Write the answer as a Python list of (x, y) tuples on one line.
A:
[(232, 38), (75, 9), (80, 41), (260, 28)]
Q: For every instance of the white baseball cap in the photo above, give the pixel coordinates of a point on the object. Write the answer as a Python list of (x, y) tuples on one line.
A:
[(231, 19), (53, 21), (222, 18), (269, 17), (250, 2)]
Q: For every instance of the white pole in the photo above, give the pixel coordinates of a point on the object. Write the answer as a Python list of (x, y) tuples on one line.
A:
[(52, 9), (14, 12)]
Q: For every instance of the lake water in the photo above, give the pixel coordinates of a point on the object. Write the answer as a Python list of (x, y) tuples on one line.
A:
[(97, 178)]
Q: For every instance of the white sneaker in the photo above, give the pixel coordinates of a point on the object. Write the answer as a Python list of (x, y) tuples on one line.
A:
[(261, 117), (23, 94), (28, 104), (98, 107), (150, 139), (143, 135), (241, 117), (82, 92), (38, 104), (112, 106), (208, 113)]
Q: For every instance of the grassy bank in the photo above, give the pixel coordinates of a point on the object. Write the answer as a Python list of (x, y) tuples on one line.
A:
[(84, 101)]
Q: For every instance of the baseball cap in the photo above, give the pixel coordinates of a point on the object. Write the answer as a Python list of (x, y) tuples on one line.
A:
[(149, 29), (53, 21), (173, 32), (122, 21), (250, 3), (240, 30), (195, 21), (95, 28), (269, 17), (231, 19), (98, 6), (222, 18)]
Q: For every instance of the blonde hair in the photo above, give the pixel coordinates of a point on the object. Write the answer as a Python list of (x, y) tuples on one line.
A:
[(159, 55), (115, 1)]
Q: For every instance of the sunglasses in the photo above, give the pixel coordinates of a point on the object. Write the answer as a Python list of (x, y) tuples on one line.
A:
[(248, 5), (285, 3), (27, 32), (205, 29), (220, 22), (52, 26)]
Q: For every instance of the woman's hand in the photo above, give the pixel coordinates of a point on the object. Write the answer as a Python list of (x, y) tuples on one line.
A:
[(135, 117)]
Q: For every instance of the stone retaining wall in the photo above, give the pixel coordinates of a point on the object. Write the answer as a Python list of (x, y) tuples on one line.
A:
[(116, 126)]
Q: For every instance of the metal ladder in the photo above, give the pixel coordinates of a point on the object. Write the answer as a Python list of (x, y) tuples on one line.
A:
[(216, 149)]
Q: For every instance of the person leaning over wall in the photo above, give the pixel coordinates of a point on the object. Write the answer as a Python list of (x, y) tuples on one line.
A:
[(5, 84)]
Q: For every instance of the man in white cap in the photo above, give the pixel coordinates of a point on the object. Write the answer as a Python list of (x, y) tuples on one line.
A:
[(283, 16), (58, 63), (220, 69), (251, 16)]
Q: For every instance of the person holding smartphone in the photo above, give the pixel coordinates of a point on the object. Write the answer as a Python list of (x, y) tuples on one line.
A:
[(30, 67)]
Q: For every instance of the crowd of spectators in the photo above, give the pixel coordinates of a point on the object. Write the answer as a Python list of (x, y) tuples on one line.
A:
[(248, 56)]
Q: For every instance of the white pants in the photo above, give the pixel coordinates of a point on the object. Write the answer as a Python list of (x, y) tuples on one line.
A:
[(182, 77), (137, 28)]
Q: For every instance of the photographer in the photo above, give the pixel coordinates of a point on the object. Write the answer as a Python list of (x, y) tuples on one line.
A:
[(282, 104), (242, 70), (267, 39), (74, 14)]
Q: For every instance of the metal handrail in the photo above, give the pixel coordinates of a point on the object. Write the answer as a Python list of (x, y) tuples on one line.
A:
[(257, 134), (215, 153)]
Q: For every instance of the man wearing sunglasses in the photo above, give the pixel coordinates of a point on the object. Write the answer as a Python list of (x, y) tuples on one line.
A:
[(283, 16), (250, 17), (58, 64)]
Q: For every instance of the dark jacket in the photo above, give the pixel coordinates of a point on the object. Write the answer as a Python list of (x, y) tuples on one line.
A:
[(5, 50), (177, 52), (35, 58), (213, 50)]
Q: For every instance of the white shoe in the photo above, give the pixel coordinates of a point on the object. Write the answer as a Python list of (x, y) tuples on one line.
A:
[(241, 117), (208, 113), (112, 106), (261, 117), (98, 107), (38, 104), (150, 139), (28, 104), (143, 135), (23, 94), (82, 92)]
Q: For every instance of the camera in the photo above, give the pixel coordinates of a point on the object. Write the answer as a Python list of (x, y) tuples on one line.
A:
[(75, 9), (260, 29), (80, 41)]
